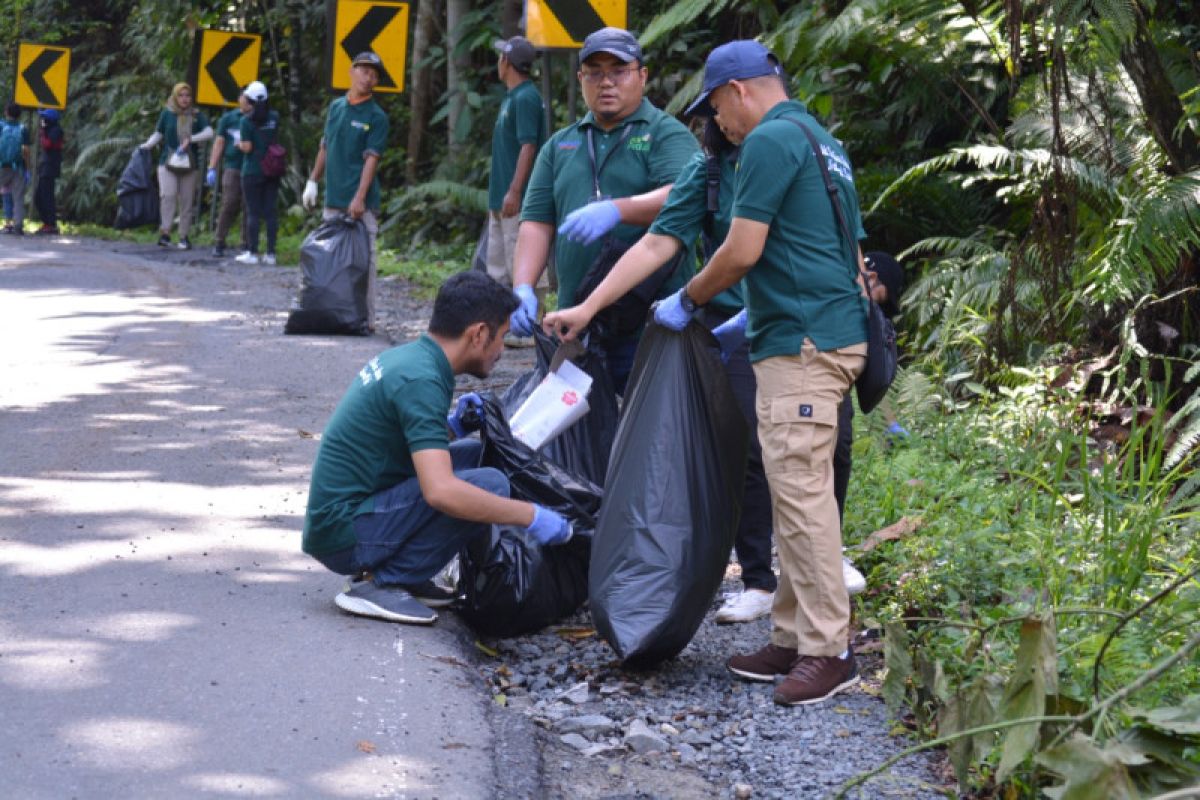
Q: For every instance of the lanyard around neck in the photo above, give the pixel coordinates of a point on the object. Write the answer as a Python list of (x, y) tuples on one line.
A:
[(597, 169)]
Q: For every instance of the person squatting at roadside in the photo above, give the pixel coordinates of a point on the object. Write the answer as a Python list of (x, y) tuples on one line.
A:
[(807, 327), (259, 130), (180, 128), (356, 132), (609, 172), (519, 131), (229, 157), (392, 500)]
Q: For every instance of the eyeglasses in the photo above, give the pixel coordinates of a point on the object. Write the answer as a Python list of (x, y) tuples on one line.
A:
[(614, 75)]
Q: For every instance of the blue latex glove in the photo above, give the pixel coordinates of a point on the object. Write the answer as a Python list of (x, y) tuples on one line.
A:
[(669, 312), (25, 173), (586, 225), (731, 333), (524, 318), (896, 429), (210, 177), (470, 400), (548, 527)]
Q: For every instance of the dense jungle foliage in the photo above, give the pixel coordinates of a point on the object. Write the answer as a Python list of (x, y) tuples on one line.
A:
[(1034, 571)]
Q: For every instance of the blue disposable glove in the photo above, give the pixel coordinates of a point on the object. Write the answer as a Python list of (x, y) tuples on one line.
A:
[(210, 177), (548, 527), (25, 173), (731, 333), (468, 401), (896, 429), (524, 318), (586, 225), (669, 312)]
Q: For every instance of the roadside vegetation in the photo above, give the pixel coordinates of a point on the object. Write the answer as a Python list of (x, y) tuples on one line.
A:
[(1032, 546)]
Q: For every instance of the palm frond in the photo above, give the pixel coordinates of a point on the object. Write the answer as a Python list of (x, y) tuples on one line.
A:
[(678, 16)]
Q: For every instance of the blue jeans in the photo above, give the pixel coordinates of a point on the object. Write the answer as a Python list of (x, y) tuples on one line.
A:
[(404, 541)]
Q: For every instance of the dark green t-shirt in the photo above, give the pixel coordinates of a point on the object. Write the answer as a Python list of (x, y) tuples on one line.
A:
[(682, 216), (352, 132), (804, 283), (395, 406), (521, 121), (169, 129), (650, 155), (229, 127), (262, 137)]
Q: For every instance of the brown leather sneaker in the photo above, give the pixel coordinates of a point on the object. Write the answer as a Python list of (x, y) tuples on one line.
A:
[(813, 679), (764, 664)]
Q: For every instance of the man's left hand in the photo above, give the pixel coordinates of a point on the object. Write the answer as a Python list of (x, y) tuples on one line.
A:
[(586, 225), (669, 312), (469, 401), (357, 208)]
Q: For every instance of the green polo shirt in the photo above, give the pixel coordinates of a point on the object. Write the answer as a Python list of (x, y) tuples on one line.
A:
[(803, 284), (521, 121), (261, 137), (352, 132), (682, 216), (649, 156), (229, 127), (169, 129), (395, 406)]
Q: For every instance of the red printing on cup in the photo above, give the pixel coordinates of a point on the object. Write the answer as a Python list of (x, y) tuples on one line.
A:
[(570, 398)]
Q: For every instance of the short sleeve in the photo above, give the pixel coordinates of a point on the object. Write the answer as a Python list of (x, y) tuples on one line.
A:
[(683, 213), (378, 135), (539, 194), (529, 111), (422, 415), (671, 152), (766, 170)]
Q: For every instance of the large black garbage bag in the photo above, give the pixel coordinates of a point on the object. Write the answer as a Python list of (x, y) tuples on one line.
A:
[(137, 192), (514, 585), (583, 449), (672, 498), (334, 262)]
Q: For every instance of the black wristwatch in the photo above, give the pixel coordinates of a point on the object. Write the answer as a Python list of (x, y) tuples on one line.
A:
[(686, 302)]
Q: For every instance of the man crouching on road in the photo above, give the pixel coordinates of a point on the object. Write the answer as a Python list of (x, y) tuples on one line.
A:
[(391, 495)]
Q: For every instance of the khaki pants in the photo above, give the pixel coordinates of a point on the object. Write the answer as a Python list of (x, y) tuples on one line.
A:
[(797, 407), (502, 249), (231, 204), (172, 187), (372, 222)]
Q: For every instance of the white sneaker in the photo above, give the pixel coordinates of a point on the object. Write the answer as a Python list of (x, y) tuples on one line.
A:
[(854, 580), (247, 258), (269, 259), (746, 606)]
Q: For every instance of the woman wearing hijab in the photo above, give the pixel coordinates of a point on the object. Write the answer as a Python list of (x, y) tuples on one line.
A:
[(180, 128)]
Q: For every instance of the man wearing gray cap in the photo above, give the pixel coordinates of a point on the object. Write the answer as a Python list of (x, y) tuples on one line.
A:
[(806, 318), (609, 172), (356, 131), (520, 130)]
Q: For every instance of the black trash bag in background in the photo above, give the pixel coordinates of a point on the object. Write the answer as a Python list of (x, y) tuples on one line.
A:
[(513, 584), (674, 496), (583, 449), (334, 262), (137, 192)]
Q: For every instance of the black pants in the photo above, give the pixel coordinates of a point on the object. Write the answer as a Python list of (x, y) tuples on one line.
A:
[(261, 194), (752, 543), (43, 200)]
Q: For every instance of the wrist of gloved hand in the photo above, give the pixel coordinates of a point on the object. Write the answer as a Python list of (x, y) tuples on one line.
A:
[(549, 527), (524, 319), (670, 312)]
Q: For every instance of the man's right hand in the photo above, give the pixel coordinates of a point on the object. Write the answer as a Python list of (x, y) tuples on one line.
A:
[(210, 177), (309, 197), (568, 323), (548, 527), (524, 318), (731, 333)]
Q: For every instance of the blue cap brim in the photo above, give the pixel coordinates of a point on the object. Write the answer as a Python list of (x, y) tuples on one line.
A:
[(700, 106)]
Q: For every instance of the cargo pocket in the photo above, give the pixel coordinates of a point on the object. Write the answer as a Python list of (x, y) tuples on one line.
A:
[(799, 436)]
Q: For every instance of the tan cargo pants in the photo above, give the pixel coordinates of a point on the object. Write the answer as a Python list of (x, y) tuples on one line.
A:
[(797, 406)]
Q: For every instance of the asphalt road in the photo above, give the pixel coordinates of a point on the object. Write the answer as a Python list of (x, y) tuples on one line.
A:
[(161, 635)]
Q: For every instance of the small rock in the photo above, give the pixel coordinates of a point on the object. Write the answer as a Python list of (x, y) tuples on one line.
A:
[(598, 749), (668, 729), (614, 770), (743, 791), (588, 724), (641, 739), (575, 740), (577, 694)]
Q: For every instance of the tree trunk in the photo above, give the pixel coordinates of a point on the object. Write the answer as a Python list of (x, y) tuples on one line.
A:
[(1159, 100), (419, 99), (458, 65)]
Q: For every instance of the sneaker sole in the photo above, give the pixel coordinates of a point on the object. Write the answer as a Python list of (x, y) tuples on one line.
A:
[(839, 688), (365, 608), (754, 676)]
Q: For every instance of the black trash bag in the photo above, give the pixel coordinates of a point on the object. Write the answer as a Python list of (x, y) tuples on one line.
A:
[(137, 192), (583, 449), (674, 494), (334, 262), (513, 584)]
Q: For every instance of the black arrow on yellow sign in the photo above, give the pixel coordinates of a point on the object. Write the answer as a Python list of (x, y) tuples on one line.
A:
[(218, 67), (363, 35), (577, 17), (35, 77)]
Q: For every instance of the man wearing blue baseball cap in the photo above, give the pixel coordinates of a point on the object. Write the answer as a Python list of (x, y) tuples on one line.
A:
[(806, 321), (602, 178)]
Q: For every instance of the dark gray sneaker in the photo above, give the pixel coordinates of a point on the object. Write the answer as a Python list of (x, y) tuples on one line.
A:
[(389, 603), (431, 594)]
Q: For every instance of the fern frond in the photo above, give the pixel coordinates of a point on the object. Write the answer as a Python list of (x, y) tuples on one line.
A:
[(90, 152), (678, 16), (460, 194)]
